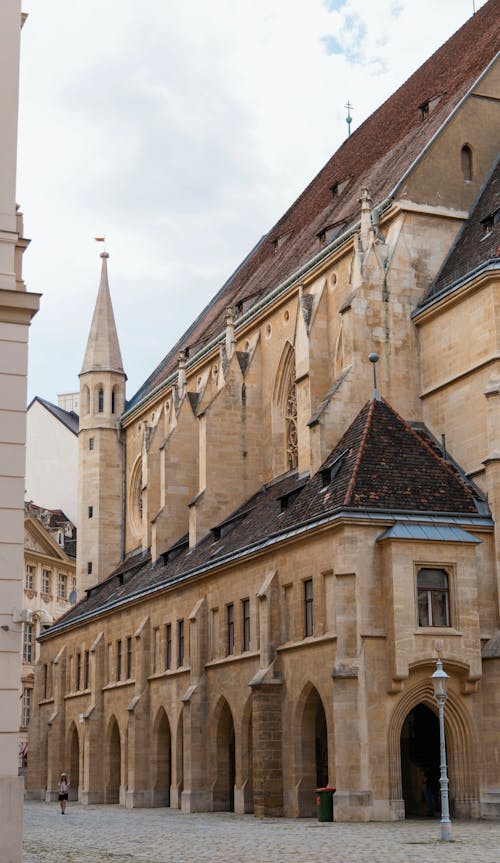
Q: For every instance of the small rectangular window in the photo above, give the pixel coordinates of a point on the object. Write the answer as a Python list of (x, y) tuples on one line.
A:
[(28, 642), (91, 443), (230, 629), (45, 679), (180, 643), (89, 568), (91, 511), (78, 672), (168, 646), (129, 658), (26, 706), (46, 581), (245, 607), (118, 660), (62, 586), (29, 582), (86, 669), (308, 607), (433, 597)]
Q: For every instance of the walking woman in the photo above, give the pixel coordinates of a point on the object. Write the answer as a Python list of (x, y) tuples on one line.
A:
[(63, 788)]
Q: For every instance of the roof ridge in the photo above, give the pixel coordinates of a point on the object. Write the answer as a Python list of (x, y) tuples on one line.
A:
[(361, 449)]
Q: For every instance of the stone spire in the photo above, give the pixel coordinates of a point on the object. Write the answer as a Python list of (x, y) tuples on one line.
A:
[(103, 349)]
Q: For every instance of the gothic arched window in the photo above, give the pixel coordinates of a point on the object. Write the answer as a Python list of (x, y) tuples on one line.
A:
[(100, 400), (292, 456), (467, 163)]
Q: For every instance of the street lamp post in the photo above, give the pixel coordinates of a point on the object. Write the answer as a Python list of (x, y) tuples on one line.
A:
[(440, 683)]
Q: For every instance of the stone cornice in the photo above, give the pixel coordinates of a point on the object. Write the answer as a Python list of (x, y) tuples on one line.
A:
[(18, 307)]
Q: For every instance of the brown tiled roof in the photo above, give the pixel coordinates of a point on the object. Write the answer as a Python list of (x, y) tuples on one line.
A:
[(381, 465), (478, 241), (376, 156), (53, 520)]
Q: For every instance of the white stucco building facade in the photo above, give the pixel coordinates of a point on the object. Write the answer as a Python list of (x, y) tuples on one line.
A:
[(52, 457)]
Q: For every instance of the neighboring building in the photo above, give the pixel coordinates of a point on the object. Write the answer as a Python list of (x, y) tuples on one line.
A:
[(52, 456), (273, 554), (69, 402), (49, 591), (17, 308)]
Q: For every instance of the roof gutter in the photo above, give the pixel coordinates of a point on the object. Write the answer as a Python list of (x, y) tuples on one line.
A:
[(339, 516)]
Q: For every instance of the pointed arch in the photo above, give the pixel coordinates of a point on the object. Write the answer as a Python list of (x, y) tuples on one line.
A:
[(85, 400), (73, 761), (461, 747), (225, 758), (285, 411), (161, 759), (113, 762), (466, 160), (311, 749)]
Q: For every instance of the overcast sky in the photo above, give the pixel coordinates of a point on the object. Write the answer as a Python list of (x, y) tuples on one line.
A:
[(182, 130)]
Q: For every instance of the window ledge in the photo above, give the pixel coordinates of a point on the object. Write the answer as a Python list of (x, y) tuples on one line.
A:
[(307, 641), (77, 693), (438, 630), (116, 684), (233, 657), (169, 672)]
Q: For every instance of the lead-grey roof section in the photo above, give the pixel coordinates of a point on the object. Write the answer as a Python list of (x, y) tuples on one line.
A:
[(427, 532)]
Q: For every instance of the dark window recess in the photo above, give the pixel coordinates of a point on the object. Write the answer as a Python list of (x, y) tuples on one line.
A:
[(118, 660), (180, 643), (330, 472), (91, 443), (78, 671), (113, 401), (433, 597), (467, 163), (91, 511), (86, 668), (230, 629), (168, 645), (89, 568), (45, 680), (100, 401), (246, 624), (308, 607), (288, 498), (129, 658)]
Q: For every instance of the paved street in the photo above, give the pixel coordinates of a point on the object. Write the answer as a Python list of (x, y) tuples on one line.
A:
[(97, 834)]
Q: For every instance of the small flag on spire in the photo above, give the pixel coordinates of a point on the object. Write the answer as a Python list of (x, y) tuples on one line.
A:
[(100, 239)]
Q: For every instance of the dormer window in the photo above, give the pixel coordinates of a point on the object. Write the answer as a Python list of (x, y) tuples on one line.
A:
[(489, 222), (424, 110), (60, 537)]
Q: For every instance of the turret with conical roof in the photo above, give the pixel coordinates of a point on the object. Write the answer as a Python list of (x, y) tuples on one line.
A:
[(100, 469)]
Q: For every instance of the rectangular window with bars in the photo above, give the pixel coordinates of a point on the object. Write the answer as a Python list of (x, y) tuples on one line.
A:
[(308, 607), (230, 629), (118, 660), (180, 643), (129, 658), (168, 646), (86, 668), (245, 609)]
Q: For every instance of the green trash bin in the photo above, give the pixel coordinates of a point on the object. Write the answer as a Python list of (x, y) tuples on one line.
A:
[(324, 802)]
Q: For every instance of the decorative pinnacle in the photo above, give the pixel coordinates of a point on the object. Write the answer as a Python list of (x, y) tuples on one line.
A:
[(374, 358)]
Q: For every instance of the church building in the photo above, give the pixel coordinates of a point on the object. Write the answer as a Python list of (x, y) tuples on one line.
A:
[(295, 515)]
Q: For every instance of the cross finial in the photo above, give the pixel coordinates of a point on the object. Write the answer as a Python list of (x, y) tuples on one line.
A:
[(348, 119)]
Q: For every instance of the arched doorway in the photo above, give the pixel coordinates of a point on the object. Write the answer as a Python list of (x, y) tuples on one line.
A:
[(113, 780), (74, 764), (223, 796), (313, 764), (420, 762), (162, 760)]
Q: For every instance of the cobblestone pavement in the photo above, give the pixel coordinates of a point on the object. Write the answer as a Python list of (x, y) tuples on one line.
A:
[(110, 834)]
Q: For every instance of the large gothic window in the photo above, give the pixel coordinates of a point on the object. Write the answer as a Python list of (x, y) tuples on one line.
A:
[(291, 427), (135, 500)]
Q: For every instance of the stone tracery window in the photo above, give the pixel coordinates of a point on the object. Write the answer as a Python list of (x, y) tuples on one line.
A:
[(291, 427), (135, 501)]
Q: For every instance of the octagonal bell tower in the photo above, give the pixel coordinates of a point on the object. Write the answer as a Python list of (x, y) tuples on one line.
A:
[(100, 450)]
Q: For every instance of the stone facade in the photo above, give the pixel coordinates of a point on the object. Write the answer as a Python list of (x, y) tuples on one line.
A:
[(280, 556)]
